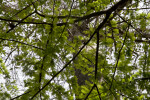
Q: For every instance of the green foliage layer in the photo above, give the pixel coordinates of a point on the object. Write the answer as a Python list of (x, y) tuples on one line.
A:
[(74, 49)]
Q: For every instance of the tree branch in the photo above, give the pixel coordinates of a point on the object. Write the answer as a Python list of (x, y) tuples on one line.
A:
[(113, 8), (19, 22), (90, 91), (108, 13), (144, 78), (20, 95), (22, 43), (98, 93), (118, 59), (96, 57), (99, 27)]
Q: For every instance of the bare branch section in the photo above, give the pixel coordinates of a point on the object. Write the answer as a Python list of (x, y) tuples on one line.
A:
[(96, 58), (135, 9), (143, 79), (121, 4)]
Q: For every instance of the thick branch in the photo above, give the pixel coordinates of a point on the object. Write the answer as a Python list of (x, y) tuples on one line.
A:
[(115, 7), (96, 58)]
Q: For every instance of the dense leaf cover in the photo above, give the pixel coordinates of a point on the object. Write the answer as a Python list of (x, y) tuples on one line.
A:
[(74, 49)]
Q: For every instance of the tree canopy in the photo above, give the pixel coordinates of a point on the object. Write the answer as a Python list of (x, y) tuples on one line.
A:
[(74, 49)]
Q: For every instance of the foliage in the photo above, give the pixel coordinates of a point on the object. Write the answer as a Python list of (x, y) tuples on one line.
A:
[(74, 49)]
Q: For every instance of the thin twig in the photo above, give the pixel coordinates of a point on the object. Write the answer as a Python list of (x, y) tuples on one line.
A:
[(20, 95), (118, 59), (22, 43), (98, 93), (20, 22)]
